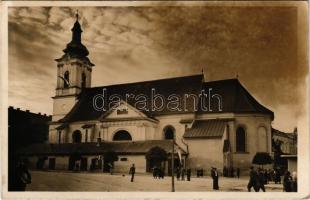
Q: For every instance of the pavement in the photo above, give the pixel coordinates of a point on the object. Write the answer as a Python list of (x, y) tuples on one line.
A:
[(103, 182)]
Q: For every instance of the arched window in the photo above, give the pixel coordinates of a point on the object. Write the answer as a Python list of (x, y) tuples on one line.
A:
[(169, 132), (77, 136), (122, 135), (83, 80), (240, 140), (262, 139), (66, 79)]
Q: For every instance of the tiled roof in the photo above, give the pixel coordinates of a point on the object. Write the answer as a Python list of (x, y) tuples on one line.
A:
[(84, 110), (91, 148), (276, 132), (206, 129), (235, 98)]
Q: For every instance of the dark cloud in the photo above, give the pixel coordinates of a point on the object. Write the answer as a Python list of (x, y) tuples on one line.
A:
[(127, 44)]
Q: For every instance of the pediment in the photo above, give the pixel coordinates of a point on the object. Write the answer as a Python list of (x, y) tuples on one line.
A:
[(122, 110)]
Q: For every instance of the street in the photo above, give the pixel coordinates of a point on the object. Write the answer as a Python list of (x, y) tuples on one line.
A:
[(70, 181)]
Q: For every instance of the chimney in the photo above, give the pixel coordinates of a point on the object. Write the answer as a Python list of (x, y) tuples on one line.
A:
[(27, 111), (18, 109)]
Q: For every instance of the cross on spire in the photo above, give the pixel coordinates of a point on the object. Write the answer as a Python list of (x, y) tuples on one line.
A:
[(77, 15)]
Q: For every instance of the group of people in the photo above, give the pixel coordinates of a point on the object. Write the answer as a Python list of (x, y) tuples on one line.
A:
[(158, 172), (181, 171), (258, 180), (290, 182), (260, 177), (231, 172), (22, 176)]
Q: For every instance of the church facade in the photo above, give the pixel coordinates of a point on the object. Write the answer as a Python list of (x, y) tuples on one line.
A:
[(217, 123)]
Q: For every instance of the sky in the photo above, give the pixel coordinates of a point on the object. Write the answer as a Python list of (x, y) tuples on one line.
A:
[(264, 46)]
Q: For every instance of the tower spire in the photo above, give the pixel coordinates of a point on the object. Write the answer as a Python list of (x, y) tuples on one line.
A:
[(77, 15)]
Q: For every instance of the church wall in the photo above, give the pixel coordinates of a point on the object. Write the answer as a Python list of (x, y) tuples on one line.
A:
[(174, 121), (205, 153), (124, 166), (61, 162), (251, 123), (134, 130)]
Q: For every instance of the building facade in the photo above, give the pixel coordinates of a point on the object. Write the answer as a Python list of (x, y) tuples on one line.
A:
[(216, 123)]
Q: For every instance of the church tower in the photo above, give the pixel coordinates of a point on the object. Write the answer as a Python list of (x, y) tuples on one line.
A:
[(73, 73)]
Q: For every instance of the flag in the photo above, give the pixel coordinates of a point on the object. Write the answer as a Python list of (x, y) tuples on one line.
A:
[(179, 154)]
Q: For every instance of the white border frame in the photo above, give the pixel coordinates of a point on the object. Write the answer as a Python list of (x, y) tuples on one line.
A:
[(303, 137)]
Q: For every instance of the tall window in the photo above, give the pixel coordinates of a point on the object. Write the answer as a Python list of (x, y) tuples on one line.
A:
[(240, 140), (169, 132), (122, 135), (83, 80), (66, 79), (262, 139), (77, 136)]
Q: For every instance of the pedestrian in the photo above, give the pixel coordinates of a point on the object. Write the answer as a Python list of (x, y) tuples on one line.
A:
[(225, 171), (161, 172), (238, 172), (77, 167), (23, 177), (183, 174), (188, 174), (266, 177), (253, 180), (178, 170), (294, 181), (261, 180), (215, 177), (111, 168), (132, 171), (277, 178), (232, 172), (154, 172), (287, 182)]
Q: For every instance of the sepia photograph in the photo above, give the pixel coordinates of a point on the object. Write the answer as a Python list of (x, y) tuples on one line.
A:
[(156, 97)]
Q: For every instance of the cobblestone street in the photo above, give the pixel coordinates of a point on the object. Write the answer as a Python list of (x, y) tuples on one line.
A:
[(67, 181)]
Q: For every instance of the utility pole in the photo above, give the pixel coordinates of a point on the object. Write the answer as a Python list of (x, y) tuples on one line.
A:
[(172, 166)]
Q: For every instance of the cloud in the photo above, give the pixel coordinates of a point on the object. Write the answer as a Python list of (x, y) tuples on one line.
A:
[(129, 44)]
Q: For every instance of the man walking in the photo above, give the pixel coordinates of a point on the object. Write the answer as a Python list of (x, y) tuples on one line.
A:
[(132, 171), (215, 177), (253, 182), (183, 173), (188, 174), (238, 172)]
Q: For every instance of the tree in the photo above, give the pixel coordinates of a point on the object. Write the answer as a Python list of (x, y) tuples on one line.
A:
[(110, 156), (262, 158), (157, 154)]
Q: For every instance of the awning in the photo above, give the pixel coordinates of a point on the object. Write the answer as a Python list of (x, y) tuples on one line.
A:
[(91, 148), (88, 126), (62, 126), (206, 129), (185, 121)]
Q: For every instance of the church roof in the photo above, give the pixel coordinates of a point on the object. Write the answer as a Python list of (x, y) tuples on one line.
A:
[(234, 97), (83, 110), (206, 129), (92, 148)]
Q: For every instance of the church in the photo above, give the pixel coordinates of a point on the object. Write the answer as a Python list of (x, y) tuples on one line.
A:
[(192, 122)]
